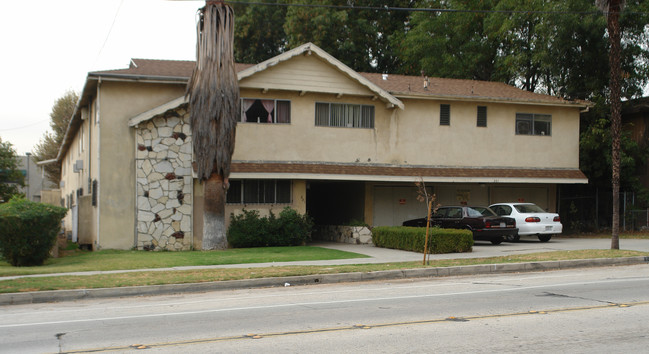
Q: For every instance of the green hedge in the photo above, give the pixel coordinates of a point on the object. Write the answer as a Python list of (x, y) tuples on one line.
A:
[(28, 231), (251, 230), (413, 239)]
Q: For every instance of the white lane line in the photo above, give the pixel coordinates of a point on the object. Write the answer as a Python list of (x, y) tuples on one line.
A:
[(313, 303)]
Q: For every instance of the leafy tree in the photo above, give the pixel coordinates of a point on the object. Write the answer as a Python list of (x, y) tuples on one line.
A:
[(595, 159), (48, 147), (450, 44), (259, 31), (361, 38), (554, 47), (10, 176)]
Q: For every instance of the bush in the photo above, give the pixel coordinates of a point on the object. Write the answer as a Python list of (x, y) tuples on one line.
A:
[(414, 238), (28, 231), (251, 230)]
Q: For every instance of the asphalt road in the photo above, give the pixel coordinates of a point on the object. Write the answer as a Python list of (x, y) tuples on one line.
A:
[(577, 311)]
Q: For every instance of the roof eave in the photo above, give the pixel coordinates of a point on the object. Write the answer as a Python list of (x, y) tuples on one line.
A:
[(491, 100)]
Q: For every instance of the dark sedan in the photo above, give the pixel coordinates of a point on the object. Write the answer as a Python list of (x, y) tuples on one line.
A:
[(482, 221)]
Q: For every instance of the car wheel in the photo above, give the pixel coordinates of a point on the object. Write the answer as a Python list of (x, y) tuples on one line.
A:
[(512, 238), (545, 238), (497, 241)]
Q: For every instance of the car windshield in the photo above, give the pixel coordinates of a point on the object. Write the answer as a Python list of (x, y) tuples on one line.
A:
[(528, 208), (480, 211)]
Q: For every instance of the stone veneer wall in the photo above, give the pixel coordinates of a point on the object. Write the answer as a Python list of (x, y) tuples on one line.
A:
[(343, 234), (164, 182)]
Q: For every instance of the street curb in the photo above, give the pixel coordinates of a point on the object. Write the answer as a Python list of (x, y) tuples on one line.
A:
[(82, 294)]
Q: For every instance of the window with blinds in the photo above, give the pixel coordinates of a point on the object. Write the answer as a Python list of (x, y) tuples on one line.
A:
[(344, 115), (258, 191)]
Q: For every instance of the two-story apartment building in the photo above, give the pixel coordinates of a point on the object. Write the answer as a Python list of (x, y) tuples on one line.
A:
[(314, 135)]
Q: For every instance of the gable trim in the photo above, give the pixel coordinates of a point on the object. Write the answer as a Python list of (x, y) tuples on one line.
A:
[(145, 116)]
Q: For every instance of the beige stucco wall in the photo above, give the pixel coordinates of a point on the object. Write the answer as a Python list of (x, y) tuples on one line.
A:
[(120, 101), (72, 181), (298, 202), (108, 154), (412, 136)]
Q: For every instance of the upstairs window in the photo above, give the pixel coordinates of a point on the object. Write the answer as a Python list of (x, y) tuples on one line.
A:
[(258, 191), (482, 116), (265, 111), (533, 124), (444, 114), (344, 115)]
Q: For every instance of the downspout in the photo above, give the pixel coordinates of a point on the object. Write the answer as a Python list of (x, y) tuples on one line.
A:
[(98, 122)]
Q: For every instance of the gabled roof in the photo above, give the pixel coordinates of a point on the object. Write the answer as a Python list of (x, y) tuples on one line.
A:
[(404, 86), (312, 49), (179, 70), (390, 88)]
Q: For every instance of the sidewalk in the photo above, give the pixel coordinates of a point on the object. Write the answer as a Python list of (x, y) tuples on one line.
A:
[(376, 255)]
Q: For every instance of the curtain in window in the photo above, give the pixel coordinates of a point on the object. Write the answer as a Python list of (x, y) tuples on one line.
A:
[(367, 117), (245, 106), (269, 105), (337, 115), (283, 114)]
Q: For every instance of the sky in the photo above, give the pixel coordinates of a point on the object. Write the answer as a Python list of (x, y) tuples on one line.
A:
[(47, 47)]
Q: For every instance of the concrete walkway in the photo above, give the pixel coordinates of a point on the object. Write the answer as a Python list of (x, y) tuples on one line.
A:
[(376, 255)]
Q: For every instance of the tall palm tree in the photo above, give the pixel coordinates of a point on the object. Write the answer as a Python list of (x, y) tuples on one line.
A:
[(612, 9), (213, 95)]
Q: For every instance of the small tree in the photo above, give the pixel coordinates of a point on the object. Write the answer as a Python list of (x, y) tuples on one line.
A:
[(11, 179), (431, 207), (48, 147)]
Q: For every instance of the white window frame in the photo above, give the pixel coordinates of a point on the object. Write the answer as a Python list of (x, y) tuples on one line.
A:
[(526, 124), (242, 113)]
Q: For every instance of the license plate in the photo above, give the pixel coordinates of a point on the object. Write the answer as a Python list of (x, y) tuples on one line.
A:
[(548, 228), (502, 224)]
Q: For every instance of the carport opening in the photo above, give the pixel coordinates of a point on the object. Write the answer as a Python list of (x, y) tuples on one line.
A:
[(335, 203)]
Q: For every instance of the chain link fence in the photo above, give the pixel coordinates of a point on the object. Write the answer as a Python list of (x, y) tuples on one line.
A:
[(590, 210)]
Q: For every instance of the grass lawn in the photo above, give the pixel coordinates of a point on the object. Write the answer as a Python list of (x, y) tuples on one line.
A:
[(643, 235), (80, 261), (208, 275)]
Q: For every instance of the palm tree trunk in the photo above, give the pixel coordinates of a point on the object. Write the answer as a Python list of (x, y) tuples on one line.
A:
[(213, 95), (214, 214), (613, 25)]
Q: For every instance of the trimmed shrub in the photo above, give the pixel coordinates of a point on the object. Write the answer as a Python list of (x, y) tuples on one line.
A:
[(251, 230), (28, 231), (414, 238)]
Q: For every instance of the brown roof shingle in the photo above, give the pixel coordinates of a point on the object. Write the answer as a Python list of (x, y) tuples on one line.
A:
[(397, 85), (160, 68)]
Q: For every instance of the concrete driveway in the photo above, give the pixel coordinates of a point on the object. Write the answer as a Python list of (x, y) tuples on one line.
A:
[(482, 249)]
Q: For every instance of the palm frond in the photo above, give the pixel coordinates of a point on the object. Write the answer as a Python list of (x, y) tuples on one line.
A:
[(213, 92)]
